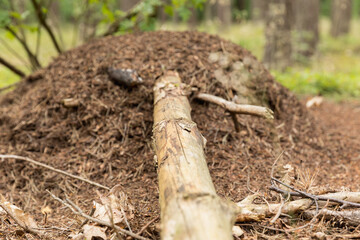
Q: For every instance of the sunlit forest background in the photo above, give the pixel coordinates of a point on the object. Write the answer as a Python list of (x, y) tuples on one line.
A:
[(318, 55)]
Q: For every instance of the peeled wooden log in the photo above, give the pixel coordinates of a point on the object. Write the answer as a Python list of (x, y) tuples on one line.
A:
[(190, 207)]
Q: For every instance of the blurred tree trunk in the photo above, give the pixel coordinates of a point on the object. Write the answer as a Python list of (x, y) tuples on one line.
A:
[(126, 5), (241, 4), (340, 17), (223, 12), (306, 13), (259, 9), (208, 10), (193, 20), (278, 34), (160, 13)]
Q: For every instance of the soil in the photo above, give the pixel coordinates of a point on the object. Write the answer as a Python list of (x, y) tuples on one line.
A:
[(106, 137)]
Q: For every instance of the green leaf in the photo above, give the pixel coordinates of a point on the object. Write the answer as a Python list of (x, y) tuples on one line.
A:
[(126, 25), (169, 10), (4, 18), (107, 13), (15, 15), (9, 35), (44, 10), (184, 13)]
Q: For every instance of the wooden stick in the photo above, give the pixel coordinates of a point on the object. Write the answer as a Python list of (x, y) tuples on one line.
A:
[(190, 207), (52, 169), (237, 108)]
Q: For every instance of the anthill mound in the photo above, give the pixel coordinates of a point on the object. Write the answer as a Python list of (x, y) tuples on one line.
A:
[(107, 136)]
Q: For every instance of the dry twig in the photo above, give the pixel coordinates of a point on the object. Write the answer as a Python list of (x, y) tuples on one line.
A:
[(53, 169), (237, 108), (327, 197), (77, 210), (147, 225)]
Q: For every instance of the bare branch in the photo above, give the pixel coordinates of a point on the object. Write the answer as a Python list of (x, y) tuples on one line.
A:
[(53, 169), (42, 19), (33, 59), (12, 68), (237, 108), (114, 27), (331, 197), (8, 87)]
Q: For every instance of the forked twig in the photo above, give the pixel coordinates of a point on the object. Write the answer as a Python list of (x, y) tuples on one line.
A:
[(53, 169), (77, 210), (299, 193)]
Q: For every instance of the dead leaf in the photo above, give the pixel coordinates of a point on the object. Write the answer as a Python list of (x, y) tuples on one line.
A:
[(20, 215), (94, 232), (314, 102), (114, 205), (108, 214), (77, 236)]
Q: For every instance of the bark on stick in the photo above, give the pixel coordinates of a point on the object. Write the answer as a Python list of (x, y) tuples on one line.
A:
[(190, 208), (238, 108)]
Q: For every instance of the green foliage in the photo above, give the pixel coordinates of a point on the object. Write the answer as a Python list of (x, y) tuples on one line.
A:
[(5, 18), (325, 8), (182, 8), (314, 83)]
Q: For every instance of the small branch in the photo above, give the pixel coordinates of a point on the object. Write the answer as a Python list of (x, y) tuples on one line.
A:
[(15, 53), (237, 108), (35, 64), (77, 210), (147, 225), (42, 20), (114, 27), (53, 169), (277, 215), (12, 68), (236, 122), (8, 87), (326, 197), (304, 194)]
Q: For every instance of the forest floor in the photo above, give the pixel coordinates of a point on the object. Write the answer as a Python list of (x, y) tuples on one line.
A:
[(106, 136)]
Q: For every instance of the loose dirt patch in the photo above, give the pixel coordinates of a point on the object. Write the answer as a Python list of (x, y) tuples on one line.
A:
[(107, 137)]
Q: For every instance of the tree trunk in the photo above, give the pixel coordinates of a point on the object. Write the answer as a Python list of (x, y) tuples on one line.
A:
[(193, 20), (208, 10), (340, 17), (259, 9), (126, 5), (223, 12), (190, 208), (306, 23), (278, 34)]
